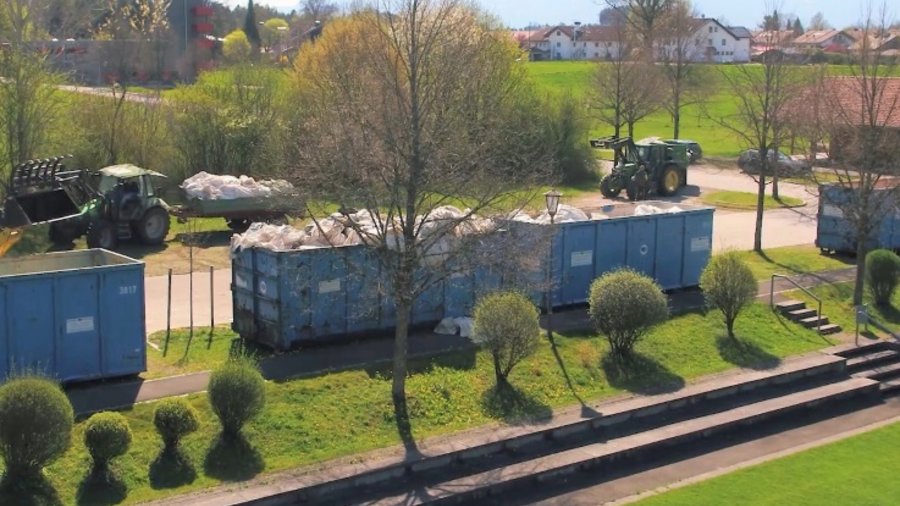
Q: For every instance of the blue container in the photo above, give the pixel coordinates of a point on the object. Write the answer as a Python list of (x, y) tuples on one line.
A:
[(74, 315), (282, 298), (834, 232)]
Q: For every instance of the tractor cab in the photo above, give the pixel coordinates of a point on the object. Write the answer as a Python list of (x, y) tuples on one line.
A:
[(129, 190)]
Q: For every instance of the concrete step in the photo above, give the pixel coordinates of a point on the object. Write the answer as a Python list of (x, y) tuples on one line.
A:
[(890, 387), (790, 305), (881, 372), (854, 350), (814, 321), (800, 314), (513, 443), (831, 328), (642, 445), (872, 360)]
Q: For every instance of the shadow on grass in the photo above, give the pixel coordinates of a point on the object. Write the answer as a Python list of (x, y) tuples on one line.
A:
[(640, 374), (793, 270), (404, 426), (38, 492), (889, 314), (586, 411), (101, 488), (461, 360), (508, 403), (171, 469), (745, 354), (232, 459)]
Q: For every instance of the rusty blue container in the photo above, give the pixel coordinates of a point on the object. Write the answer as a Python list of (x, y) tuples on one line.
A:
[(834, 232), (74, 315)]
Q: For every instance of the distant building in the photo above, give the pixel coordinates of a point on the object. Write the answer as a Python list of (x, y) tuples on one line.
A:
[(829, 41), (717, 43), (579, 42)]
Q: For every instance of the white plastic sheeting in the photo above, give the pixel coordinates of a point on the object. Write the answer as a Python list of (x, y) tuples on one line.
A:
[(564, 214), (206, 186), (647, 209), (462, 325)]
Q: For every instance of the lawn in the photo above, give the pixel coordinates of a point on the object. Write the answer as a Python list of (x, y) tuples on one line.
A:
[(186, 355), (858, 470), (447, 394), (837, 304), (747, 200), (792, 260)]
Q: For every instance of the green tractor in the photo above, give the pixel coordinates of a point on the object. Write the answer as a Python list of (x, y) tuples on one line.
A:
[(125, 205), (641, 169)]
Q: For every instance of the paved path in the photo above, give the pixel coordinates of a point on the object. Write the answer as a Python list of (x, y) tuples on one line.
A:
[(376, 350), (156, 287)]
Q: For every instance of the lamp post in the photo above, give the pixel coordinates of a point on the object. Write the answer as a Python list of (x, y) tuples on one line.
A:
[(552, 200)]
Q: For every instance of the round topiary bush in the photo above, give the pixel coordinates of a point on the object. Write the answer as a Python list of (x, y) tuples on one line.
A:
[(506, 324), (237, 393), (882, 275), (729, 286), (624, 305), (35, 425), (106, 436), (174, 419)]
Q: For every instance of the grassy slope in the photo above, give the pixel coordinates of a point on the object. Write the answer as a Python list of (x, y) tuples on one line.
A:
[(746, 200), (837, 304), (447, 394), (859, 470), (792, 260)]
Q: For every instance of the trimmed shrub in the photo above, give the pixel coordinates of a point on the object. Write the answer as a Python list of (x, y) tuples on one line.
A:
[(106, 436), (237, 393), (35, 425), (729, 286), (174, 419), (882, 275), (625, 305), (506, 324)]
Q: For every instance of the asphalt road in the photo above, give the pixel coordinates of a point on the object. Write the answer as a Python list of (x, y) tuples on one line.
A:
[(731, 230)]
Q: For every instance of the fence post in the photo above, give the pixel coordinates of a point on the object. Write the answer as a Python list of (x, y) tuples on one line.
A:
[(168, 316), (212, 309)]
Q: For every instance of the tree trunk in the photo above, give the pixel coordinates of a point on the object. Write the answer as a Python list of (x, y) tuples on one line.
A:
[(860, 270), (729, 324), (676, 123), (775, 182), (760, 209), (401, 338), (498, 371), (631, 129)]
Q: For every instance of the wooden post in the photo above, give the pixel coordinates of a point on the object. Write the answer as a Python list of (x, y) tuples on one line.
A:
[(212, 309), (168, 316)]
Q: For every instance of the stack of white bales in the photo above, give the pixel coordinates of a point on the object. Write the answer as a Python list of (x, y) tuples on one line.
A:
[(206, 186)]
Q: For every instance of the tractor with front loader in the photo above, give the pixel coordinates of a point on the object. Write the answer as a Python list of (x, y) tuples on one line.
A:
[(643, 168), (114, 203)]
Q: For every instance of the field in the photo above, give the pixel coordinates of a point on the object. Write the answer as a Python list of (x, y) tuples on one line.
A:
[(746, 200), (859, 470)]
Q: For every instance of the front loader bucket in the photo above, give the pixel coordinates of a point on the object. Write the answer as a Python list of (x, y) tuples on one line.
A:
[(42, 191)]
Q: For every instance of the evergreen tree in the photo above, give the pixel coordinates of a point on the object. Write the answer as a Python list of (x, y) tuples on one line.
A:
[(251, 29), (798, 27)]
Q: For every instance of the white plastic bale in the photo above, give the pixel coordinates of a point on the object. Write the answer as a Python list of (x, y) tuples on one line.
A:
[(465, 325), (206, 186)]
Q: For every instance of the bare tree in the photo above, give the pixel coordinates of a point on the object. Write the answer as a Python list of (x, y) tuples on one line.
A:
[(862, 113), (686, 82), (817, 22), (642, 83), (406, 112), (762, 93), (646, 18), (608, 94), (29, 99), (318, 10)]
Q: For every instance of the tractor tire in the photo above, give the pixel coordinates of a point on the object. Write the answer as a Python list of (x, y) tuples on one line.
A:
[(62, 235), (670, 181), (153, 227), (102, 234), (606, 188)]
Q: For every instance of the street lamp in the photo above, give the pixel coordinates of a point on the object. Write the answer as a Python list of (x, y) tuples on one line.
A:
[(552, 199)]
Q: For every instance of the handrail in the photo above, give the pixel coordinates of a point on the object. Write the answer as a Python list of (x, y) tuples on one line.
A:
[(772, 297)]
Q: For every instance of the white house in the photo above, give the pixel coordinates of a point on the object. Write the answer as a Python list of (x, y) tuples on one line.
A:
[(717, 43), (570, 43)]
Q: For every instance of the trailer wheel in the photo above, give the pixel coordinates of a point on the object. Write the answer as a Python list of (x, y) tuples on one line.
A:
[(670, 181), (153, 227), (606, 188), (102, 234), (238, 225)]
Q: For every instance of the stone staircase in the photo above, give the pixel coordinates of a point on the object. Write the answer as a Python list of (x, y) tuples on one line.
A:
[(878, 361), (621, 438), (796, 311)]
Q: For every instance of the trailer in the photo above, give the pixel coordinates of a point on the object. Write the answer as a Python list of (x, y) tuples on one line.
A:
[(284, 298), (74, 315), (240, 213)]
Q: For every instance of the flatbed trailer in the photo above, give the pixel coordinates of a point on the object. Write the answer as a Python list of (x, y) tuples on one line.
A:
[(240, 213)]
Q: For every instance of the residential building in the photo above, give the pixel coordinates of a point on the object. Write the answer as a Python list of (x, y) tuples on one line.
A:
[(717, 43), (829, 41)]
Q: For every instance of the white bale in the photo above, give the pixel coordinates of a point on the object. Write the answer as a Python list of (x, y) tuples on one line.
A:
[(446, 327), (465, 325)]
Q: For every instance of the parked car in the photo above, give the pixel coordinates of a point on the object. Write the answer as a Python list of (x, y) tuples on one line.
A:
[(693, 147), (787, 165)]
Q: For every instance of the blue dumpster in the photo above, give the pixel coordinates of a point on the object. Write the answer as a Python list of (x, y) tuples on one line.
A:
[(73, 315), (834, 232)]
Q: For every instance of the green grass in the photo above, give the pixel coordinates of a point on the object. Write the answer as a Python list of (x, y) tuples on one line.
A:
[(746, 200), (186, 355), (311, 420), (792, 260), (837, 304), (859, 470)]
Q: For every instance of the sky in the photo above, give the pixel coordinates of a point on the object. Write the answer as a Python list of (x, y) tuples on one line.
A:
[(748, 13)]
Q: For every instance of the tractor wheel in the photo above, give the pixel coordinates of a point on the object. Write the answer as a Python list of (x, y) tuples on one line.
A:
[(102, 234), (607, 189), (670, 181), (153, 227), (61, 234)]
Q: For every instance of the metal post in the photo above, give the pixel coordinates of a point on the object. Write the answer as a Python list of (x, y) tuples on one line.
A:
[(549, 283), (168, 316), (212, 309)]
